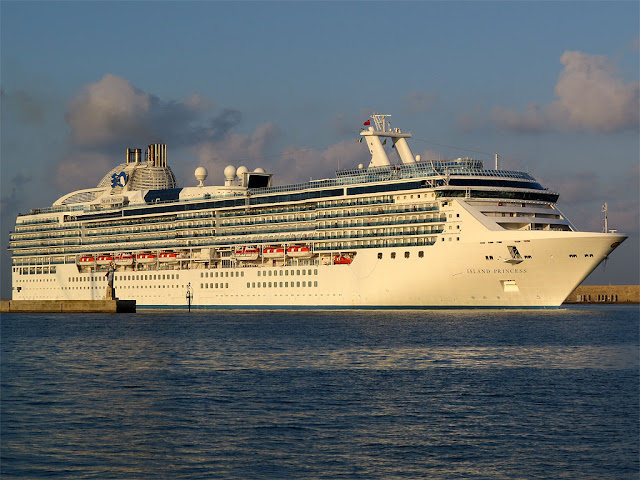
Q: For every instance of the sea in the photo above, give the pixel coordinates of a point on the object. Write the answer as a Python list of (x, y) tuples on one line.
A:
[(367, 394)]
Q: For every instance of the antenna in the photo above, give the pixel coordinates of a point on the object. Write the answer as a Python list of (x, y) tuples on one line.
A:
[(495, 155), (605, 208)]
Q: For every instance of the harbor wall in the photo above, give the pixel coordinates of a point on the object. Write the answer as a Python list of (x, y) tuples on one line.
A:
[(629, 294), (67, 306)]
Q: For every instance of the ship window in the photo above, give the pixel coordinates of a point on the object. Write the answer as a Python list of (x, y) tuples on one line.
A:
[(259, 272), (286, 273), (315, 272), (201, 274), (380, 256), (280, 284), (297, 272), (420, 254), (315, 284), (304, 272), (406, 254), (242, 274), (226, 285), (393, 255), (206, 285), (212, 285), (248, 284), (286, 284), (258, 284), (269, 283), (253, 284), (201, 285), (298, 284), (269, 272)]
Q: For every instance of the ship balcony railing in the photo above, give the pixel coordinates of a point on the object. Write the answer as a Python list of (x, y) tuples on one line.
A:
[(381, 244), (356, 202), (131, 223), (264, 222), (381, 224), (36, 222), (266, 211), (378, 234), (38, 230), (396, 211), (310, 228), (153, 230), (27, 237)]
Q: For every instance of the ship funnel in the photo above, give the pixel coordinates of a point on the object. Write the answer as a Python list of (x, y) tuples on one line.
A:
[(133, 155), (157, 155)]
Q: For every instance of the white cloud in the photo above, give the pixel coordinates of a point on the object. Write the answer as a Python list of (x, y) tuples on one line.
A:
[(111, 112), (590, 96), (106, 110)]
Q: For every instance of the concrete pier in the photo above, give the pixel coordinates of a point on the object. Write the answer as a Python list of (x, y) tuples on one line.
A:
[(67, 306), (625, 294)]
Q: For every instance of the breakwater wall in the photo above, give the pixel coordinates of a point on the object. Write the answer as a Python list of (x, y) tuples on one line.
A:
[(629, 294), (67, 306)]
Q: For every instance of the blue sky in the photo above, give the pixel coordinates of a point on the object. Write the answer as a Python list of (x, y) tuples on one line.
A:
[(551, 86)]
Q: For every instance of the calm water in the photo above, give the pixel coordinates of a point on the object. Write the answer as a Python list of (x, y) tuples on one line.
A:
[(375, 394)]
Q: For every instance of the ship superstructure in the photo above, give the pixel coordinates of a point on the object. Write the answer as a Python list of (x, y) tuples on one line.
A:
[(419, 234)]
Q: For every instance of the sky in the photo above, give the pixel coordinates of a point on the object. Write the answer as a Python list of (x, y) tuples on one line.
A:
[(552, 87)]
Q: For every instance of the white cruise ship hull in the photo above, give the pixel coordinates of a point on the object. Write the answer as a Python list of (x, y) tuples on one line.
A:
[(451, 275)]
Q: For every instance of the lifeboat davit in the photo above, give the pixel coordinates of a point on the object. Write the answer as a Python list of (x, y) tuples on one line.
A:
[(168, 257), (340, 260), (104, 260), (124, 259), (247, 253), (299, 251), (273, 252), (146, 258), (87, 260)]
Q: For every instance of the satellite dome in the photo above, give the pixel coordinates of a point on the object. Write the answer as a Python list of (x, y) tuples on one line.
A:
[(259, 170), (242, 170), (229, 173), (201, 175)]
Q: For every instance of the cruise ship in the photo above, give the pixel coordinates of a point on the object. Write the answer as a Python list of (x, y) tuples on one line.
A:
[(411, 233)]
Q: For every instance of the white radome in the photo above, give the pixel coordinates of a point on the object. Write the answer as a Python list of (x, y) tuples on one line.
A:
[(201, 174)]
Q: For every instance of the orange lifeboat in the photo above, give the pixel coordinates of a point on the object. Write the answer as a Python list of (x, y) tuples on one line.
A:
[(168, 257), (124, 259), (146, 258), (87, 260), (273, 252), (247, 253), (299, 251), (341, 260), (104, 259)]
